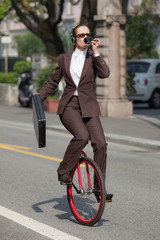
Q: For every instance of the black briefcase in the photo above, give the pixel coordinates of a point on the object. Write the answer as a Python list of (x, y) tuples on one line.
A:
[(39, 120)]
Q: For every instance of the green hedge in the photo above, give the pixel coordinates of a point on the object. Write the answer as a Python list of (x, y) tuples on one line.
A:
[(8, 78), (19, 67), (130, 83), (22, 66)]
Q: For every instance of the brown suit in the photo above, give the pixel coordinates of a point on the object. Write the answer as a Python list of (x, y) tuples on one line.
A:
[(80, 114), (86, 89)]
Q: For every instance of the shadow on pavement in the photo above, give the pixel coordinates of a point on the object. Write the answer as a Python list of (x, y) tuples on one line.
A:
[(62, 205)]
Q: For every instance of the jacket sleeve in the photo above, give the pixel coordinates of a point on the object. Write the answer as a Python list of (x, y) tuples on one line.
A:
[(52, 83), (102, 69)]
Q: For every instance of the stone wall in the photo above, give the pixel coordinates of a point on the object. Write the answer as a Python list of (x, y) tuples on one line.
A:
[(9, 94)]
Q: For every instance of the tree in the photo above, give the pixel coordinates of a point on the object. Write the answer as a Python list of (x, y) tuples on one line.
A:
[(149, 4), (89, 9), (28, 43), (141, 34), (5, 7), (41, 18)]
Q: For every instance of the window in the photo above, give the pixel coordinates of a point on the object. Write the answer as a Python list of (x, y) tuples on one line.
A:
[(158, 68), (138, 67)]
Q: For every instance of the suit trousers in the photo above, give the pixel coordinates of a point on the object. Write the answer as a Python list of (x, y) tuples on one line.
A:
[(83, 130)]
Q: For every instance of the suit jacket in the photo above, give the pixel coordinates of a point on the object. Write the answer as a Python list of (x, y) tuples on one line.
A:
[(86, 89)]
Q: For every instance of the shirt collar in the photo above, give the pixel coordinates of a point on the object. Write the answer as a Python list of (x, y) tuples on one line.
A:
[(77, 52)]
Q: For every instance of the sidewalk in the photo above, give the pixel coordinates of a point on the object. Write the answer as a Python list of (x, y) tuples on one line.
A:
[(138, 130)]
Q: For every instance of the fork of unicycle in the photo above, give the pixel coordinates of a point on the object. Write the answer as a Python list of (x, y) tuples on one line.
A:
[(86, 194)]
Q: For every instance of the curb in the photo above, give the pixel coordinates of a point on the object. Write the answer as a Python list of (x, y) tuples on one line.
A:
[(116, 138), (132, 141)]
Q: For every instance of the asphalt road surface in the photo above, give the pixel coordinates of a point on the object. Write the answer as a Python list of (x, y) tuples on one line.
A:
[(33, 205)]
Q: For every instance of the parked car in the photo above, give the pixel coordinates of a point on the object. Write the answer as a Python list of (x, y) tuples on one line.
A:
[(146, 81)]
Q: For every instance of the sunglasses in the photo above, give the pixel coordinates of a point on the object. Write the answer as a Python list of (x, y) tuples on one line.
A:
[(82, 35)]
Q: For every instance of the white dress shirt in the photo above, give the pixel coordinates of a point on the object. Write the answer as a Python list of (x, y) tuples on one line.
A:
[(76, 66)]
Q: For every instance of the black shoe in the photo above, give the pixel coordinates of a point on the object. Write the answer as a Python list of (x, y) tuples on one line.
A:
[(64, 179), (108, 196)]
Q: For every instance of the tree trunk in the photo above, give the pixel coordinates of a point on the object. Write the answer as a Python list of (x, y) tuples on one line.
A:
[(124, 5), (53, 47), (89, 9), (52, 41)]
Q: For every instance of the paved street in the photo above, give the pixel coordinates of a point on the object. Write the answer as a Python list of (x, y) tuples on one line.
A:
[(29, 187)]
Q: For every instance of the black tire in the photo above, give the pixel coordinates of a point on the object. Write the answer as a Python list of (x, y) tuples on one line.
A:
[(154, 101), (24, 104), (83, 204)]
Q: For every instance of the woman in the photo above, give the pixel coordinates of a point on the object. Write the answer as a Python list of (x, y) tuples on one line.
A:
[(78, 109)]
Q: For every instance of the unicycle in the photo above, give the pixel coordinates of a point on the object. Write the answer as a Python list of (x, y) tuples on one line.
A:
[(86, 194)]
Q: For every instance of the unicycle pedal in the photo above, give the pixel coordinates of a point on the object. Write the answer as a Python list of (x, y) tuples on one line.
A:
[(65, 183)]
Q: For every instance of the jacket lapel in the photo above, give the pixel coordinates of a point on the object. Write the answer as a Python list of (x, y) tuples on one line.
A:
[(87, 63), (67, 61)]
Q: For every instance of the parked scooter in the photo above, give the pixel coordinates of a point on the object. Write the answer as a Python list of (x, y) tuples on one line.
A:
[(25, 89)]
